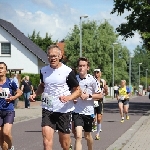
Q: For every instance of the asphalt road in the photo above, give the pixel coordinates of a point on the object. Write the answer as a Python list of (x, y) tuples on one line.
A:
[(27, 135)]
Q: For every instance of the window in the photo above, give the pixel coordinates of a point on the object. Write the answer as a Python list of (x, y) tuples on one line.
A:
[(6, 48)]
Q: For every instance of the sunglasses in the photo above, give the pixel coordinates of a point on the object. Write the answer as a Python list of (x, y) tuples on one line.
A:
[(96, 71)]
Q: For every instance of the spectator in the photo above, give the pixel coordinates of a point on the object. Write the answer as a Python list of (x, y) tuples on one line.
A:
[(115, 90), (27, 88)]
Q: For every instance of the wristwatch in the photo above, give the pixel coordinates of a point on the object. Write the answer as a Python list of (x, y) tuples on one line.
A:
[(90, 96)]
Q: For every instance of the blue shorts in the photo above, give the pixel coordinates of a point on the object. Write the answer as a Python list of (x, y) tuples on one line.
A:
[(6, 117)]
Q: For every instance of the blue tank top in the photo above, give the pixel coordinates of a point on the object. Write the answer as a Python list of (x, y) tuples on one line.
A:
[(7, 89)]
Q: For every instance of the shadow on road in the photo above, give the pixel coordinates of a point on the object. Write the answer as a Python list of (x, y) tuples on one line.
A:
[(32, 131), (135, 108)]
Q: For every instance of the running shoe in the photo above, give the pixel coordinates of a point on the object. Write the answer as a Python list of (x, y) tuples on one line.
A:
[(122, 121), (127, 117), (94, 128), (12, 148), (97, 137), (100, 130), (70, 148)]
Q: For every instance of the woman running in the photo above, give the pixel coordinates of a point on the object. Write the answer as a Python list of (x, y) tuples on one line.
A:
[(123, 100)]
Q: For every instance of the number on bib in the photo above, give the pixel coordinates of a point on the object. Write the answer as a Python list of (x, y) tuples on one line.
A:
[(46, 100), (4, 92), (96, 104), (122, 97)]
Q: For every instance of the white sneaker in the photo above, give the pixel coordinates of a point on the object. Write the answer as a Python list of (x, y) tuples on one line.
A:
[(12, 148), (100, 130)]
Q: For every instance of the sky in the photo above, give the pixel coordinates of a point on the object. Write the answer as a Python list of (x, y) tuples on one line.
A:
[(58, 17)]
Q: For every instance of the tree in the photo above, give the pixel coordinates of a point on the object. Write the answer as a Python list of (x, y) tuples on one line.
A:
[(141, 55), (138, 20), (43, 43), (97, 40)]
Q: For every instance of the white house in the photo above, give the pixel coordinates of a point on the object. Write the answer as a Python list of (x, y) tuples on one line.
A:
[(18, 51)]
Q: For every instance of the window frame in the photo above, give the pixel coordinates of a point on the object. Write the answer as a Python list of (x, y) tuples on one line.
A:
[(1, 42)]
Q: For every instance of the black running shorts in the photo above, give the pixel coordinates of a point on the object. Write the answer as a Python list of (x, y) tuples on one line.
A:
[(83, 120), (56, 120), (99, 109), (125, 102)]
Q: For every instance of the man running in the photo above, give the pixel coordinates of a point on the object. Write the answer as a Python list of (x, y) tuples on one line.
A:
[(99, 104), (7, 113), (123, 100), (84, 107), (57, 80)]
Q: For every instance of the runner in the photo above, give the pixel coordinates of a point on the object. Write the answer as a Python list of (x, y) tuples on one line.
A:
[(98, 109), (123, 100), (7, 113), (57, 80), (84, 110)]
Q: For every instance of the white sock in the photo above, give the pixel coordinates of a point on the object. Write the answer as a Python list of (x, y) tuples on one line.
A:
[(122, 118), (98, 128)]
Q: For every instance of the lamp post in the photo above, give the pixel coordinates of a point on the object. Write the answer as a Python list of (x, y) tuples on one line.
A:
[(139, 72), (81, 34), (130, 66), (113, 67), (146, 79)]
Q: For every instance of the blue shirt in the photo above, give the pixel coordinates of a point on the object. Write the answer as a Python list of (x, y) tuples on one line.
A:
[(7, 88), (16, 81)]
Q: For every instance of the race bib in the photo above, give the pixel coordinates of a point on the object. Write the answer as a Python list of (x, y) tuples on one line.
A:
[(46, 100), (122, 97), (4, 92), (96, 104)]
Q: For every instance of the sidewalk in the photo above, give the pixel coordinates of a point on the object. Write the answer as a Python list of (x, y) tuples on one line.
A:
[(22, 114), (135, 138)]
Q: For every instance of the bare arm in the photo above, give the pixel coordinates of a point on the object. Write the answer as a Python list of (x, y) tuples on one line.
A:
[(97, 96), (32, 88), (40, 89), (76, 93), (22, 87), (18, 94), (105, 89), (117, 96)]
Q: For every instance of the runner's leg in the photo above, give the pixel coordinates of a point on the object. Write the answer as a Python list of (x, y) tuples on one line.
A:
[(121, 110)]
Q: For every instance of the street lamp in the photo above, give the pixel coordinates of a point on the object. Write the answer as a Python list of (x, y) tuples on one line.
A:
[(139, 72), (113, 67), (81, 34), (146, 79), (131, 56)]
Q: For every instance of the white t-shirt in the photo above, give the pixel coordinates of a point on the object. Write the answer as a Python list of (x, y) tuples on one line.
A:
[(90, 86), (116, 87), (58, 82)]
